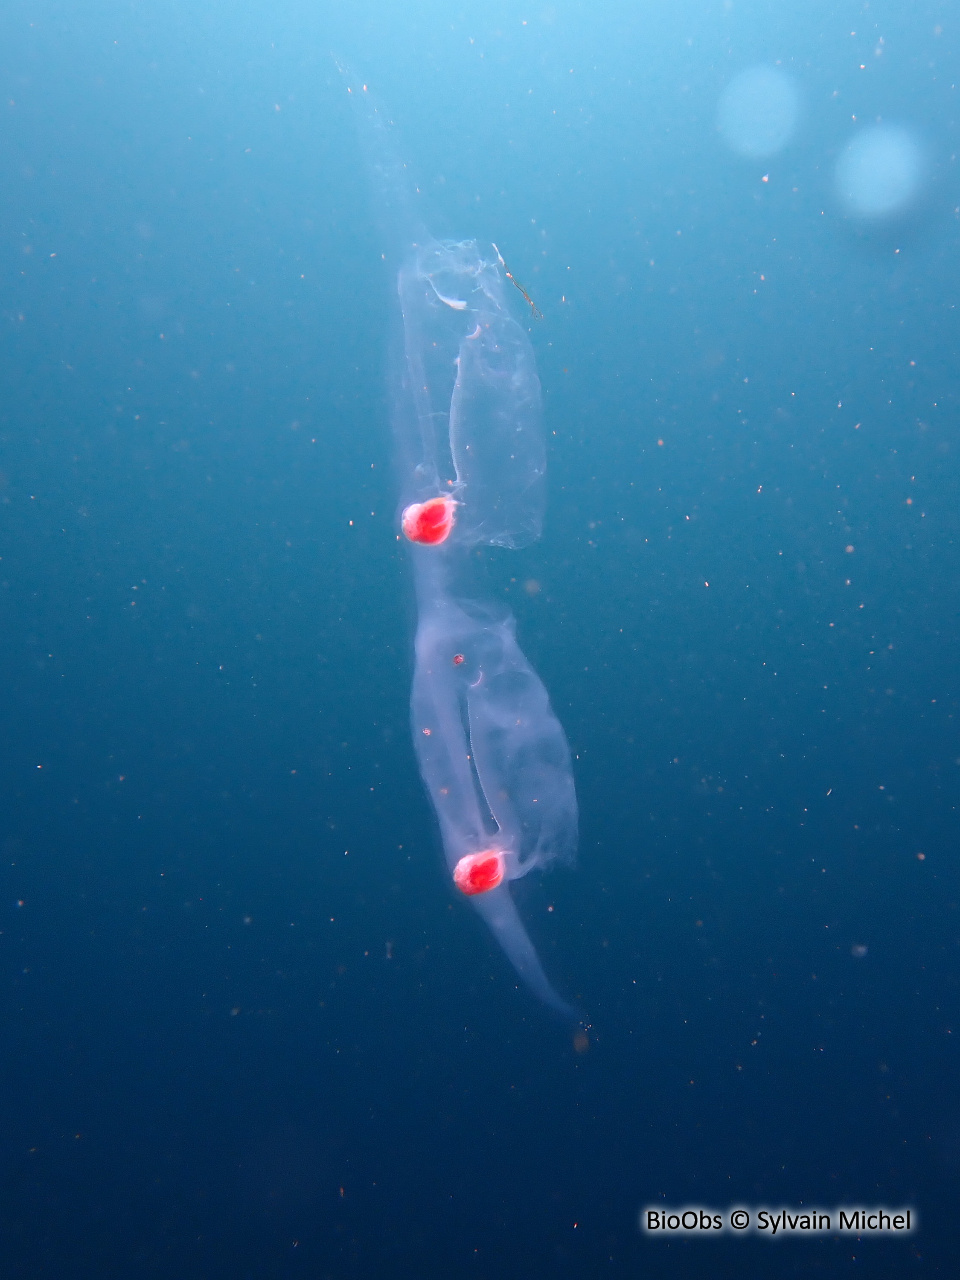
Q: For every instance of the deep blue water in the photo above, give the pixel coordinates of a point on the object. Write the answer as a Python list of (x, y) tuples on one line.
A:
[(247, 1030)]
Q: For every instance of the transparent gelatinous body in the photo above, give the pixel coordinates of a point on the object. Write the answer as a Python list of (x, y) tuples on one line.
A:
[(491, 751), (470, 424), (493, 756)]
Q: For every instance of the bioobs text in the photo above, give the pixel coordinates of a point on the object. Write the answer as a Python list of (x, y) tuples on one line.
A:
[(854, 1220)]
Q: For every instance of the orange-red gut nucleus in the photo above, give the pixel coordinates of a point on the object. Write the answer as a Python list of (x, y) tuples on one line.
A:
[(429, 522), (479, 872)]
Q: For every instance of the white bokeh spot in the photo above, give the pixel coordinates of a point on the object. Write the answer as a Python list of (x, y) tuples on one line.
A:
[(879, 173), (758, 112)]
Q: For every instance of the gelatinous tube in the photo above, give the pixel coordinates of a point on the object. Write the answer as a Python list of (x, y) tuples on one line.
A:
[(471, 459), (493, 756)]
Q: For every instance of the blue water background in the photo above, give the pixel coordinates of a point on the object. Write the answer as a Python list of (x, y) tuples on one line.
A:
[(247, 1030)]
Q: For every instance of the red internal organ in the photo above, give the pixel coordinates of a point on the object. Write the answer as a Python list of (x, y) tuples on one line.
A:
[(479, 872), (429, 522)]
